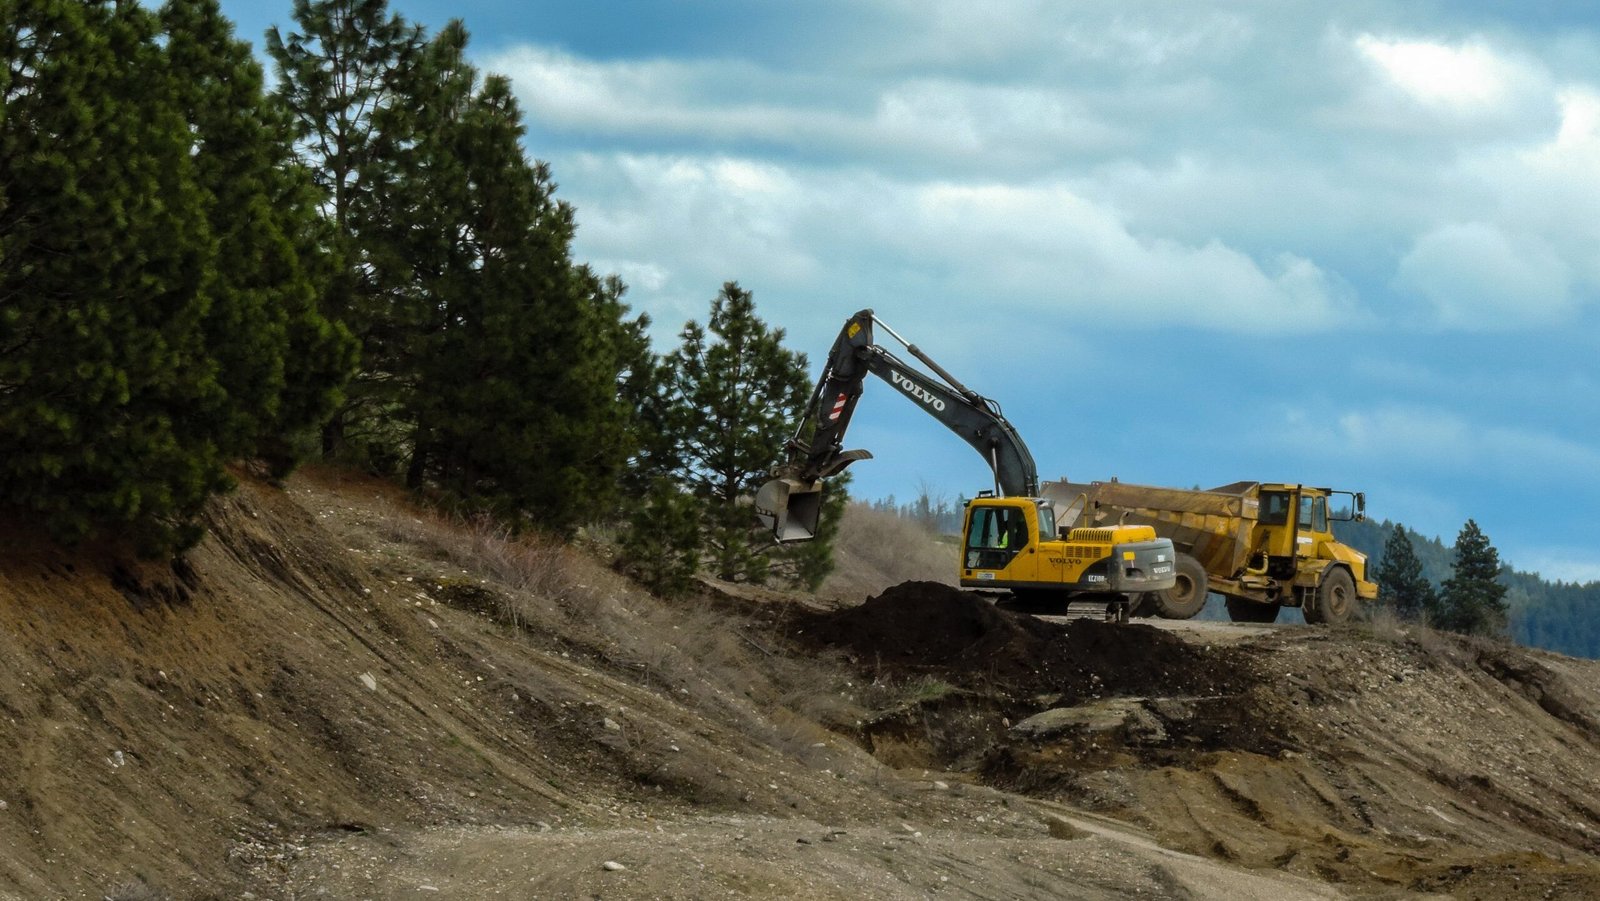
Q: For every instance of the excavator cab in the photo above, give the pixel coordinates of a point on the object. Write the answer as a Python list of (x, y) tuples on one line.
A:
[(995, 535)]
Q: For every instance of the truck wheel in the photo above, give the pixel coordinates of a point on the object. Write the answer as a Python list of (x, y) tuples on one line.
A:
[(1336, 599), (1188, 594), (1243, 611)]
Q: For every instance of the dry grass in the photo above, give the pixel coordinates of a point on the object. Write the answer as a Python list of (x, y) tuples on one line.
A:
[(876, 550), (693, 650), (1381, 621)]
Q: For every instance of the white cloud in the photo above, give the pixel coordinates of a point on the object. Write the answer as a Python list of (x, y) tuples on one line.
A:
[(709, 99), (720, 102), (1569, 564), (1479, 278), (1036, 249), (1552, 188), (1435, 73), (1439, 97)]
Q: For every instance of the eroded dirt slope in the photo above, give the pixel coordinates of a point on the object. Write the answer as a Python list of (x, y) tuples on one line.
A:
[(1376, 759), (335, 696)]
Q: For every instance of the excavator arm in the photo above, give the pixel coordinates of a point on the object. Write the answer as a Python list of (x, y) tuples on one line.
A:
[(790, 504)]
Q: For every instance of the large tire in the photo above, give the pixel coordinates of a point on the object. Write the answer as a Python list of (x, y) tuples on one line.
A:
[(1335, 601), (1188, 596), (1243, 611)]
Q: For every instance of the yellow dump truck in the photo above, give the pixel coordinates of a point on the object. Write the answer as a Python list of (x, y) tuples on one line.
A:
[(1262, 546)]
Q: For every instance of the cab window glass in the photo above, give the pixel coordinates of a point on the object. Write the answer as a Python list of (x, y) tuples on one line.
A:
[(994, 536), (997, 527), (1319, 515), (1305, 513), (1274, 508), (1047, 523)]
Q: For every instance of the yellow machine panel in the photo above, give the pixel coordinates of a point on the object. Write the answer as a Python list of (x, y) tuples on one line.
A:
[(1009, 543)]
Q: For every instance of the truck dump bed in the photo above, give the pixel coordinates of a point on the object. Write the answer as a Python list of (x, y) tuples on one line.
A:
[(1214, 526)]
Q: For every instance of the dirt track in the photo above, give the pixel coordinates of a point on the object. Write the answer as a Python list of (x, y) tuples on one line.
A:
[(334, 698)]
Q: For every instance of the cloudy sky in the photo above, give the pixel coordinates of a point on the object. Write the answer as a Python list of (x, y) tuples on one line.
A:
[(1352, 244)]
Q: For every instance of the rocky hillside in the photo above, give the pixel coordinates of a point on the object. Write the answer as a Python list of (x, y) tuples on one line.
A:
[(337, 696)]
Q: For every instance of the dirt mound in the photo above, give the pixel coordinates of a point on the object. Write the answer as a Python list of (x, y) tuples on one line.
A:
[(921, 627)]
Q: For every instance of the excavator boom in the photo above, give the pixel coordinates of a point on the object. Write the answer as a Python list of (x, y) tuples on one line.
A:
[(790, 504)]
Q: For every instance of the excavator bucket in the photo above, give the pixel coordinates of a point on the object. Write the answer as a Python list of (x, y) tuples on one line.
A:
[(791, 508)]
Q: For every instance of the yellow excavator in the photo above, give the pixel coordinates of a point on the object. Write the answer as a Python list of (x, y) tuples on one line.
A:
[(1009, 537)]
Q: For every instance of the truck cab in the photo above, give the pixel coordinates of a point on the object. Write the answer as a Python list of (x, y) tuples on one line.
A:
[(1294, 557), (1295, 526)]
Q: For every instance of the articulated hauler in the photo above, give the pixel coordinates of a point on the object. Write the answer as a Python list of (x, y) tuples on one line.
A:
[(1262, 546)]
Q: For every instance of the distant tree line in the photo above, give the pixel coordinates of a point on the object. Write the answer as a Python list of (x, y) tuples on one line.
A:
[(933, 512), (360, 265), (1465, 587)]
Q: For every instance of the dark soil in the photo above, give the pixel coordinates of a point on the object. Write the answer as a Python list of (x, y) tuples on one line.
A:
[(927, 627)]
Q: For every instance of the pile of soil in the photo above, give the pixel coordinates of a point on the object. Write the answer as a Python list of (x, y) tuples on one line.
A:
[(923, 627)]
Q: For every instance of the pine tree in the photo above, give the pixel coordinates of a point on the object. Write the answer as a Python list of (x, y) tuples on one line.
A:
[(280, 362), (741, 393), (661, 545), (1473, 600), (1399, 575), (339, 77), (142, 336), (514, 352), (647, 386), (105, 247)]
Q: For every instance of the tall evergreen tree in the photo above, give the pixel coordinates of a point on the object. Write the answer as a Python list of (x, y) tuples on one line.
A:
[(516, 352), (104, 255), (741, 393), (1473, 600), (279, 360), (339, 76), (491, 362), (661, 544), (1399, 575), (131, 366)]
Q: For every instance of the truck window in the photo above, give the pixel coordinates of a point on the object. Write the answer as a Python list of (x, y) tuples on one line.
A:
[(1274, 508), (1319, 515), (1305, 512)]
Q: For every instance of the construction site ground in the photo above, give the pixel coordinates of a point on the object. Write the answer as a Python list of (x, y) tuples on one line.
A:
[(338, 696)]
